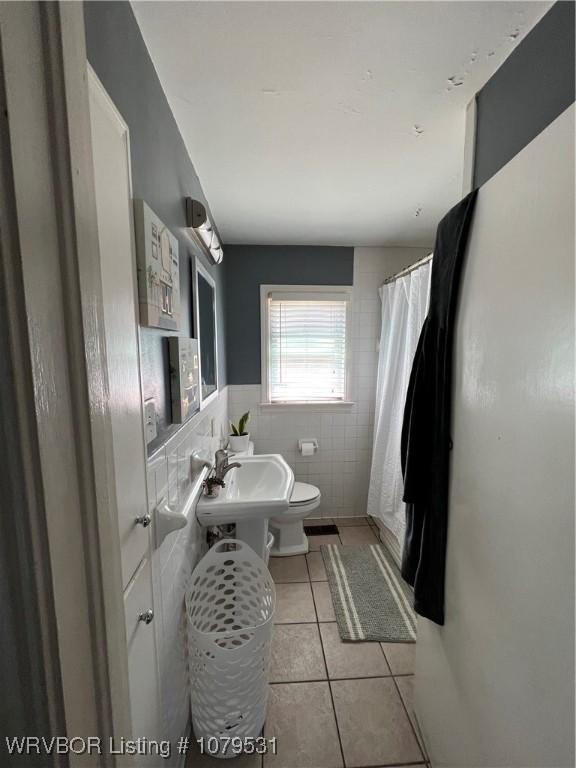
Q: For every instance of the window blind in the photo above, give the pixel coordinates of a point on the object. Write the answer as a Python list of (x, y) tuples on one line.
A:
[(307, 347)]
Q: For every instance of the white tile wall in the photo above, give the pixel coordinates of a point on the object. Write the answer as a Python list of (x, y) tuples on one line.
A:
[(341, 468), (174, 560), (342, 435)]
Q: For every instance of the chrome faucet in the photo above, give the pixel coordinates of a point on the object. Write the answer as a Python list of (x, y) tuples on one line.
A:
[(221, 466)]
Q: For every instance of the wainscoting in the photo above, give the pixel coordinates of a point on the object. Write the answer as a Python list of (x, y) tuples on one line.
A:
[(174, 560)]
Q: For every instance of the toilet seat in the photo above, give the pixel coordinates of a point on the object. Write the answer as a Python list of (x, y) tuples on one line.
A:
[(303, 493)]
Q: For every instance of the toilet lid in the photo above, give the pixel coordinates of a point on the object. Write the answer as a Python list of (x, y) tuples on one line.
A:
[(303, 493)]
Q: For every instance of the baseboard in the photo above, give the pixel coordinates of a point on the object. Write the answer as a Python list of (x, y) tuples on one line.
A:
[(390, 542)]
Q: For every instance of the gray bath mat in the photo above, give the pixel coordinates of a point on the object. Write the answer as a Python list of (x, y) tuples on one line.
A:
[(371, 601)]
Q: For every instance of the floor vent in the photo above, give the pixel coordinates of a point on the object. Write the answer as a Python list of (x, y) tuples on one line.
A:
[(320, 530)]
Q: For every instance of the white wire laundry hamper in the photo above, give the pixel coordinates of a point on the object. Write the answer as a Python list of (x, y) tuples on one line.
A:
[(230, 606)]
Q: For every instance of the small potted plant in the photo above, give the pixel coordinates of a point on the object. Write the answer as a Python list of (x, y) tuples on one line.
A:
[(239, 439)]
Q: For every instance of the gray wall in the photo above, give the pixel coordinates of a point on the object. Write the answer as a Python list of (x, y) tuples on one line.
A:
[(533, 86), (162, 173), (250, 266)]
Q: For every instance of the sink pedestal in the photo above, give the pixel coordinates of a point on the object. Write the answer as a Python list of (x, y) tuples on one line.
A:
[(255, 534)]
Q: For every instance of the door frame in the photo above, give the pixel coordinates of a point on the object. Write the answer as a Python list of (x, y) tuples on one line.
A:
[(62, 563)]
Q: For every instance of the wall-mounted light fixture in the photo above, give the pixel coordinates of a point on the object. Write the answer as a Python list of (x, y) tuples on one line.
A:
[(202, 230)]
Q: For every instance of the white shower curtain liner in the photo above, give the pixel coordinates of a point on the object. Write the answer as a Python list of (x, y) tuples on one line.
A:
[(404, 307)]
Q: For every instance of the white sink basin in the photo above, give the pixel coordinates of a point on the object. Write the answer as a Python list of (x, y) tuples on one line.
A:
[(258, 490)]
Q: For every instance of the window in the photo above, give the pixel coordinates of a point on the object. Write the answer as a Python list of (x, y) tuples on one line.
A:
[(305, 344)]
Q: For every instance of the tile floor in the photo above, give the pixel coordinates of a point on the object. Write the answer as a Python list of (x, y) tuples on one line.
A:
[(332, 704)]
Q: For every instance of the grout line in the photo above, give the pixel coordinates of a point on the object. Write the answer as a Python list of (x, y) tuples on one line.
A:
[(314, 581), (327, 675), (299, 621), (409, 719), (335, 715), (332, 680), (385, 657), (300, 682), (421, 742), (314, 601)]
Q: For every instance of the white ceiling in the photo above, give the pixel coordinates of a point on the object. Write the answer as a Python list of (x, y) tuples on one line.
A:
[(335, 123)]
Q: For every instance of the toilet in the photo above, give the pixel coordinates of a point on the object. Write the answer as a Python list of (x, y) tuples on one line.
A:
[(288, 537), (288, 530)]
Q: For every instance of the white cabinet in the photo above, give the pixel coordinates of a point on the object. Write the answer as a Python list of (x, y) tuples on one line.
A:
[(143, 680), (111, 152), (110, 146)]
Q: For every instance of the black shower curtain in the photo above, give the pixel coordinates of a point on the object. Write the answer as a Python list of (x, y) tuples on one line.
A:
[(426, 441)]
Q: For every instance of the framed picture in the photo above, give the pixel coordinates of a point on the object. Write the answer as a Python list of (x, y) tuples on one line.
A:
[(184, 378), (158, 270)]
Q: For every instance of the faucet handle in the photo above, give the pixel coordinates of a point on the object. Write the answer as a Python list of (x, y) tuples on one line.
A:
[(197, 464)]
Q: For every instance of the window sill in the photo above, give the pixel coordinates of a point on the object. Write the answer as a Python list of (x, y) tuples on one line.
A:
[(337, 405)]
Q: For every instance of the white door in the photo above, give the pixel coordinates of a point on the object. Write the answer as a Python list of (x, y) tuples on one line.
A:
[(111, 152)]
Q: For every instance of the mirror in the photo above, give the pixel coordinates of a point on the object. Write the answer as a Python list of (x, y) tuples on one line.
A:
[(206, 331)]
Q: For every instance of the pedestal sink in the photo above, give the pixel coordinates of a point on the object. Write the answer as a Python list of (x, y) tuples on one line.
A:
[(255, 492)]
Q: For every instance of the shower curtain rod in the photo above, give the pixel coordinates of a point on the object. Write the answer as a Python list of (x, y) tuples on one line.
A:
[(409, 269)]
